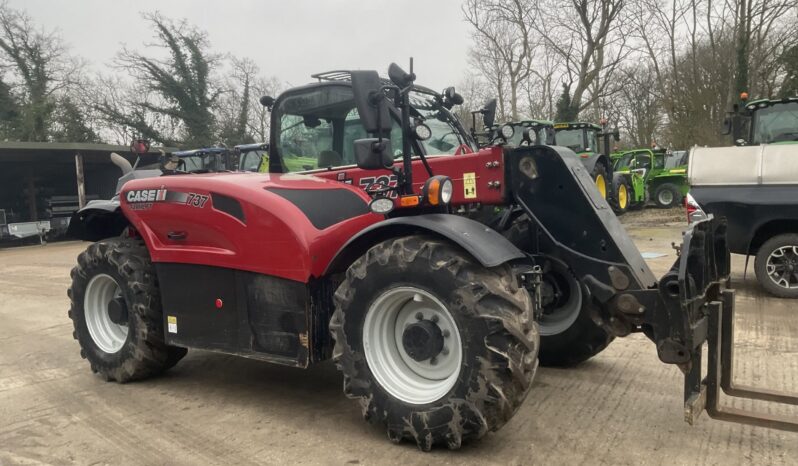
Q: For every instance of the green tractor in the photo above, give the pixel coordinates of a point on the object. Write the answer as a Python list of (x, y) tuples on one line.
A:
[(583, 138), (764, 121), (641, 175)]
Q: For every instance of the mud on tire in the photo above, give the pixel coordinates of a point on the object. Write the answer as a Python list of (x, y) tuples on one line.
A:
[(143, 352), (499, 340)]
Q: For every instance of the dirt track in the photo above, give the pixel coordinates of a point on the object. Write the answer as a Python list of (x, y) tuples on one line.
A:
[(622, 407)]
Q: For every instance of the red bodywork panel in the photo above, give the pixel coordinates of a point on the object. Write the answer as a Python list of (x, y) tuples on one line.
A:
[(276, 238), (477, 177)]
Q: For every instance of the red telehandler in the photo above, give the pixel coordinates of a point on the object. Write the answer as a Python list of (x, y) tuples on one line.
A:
[(379, 260)]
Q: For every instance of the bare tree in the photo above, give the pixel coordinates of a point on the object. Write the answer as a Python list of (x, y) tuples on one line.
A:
[(503, 46), (40, 70), (180, 88), (589, 37)]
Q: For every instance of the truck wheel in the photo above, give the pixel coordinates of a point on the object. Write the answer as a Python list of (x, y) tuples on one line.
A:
[(666, 196), (568, 334), (436, 348), (622, 197), (599, 176), (776, 265), (116, 312)]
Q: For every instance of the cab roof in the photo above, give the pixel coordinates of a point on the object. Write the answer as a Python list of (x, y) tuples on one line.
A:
[(575, 125), (762, 103)]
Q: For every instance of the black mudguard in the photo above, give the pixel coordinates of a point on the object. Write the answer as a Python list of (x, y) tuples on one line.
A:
[(574, 223), (487, 246), (97, 220)]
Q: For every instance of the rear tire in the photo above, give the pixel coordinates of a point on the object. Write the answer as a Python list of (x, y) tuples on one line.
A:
[(483, 309), (119, 345), (569, 345), (599, 176), (773, 262), (666, 196)]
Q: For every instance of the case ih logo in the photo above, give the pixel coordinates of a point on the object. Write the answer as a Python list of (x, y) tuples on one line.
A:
[(146, 195)]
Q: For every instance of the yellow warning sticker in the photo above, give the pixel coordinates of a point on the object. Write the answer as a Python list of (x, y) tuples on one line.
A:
[(470, 185), (171, 322)]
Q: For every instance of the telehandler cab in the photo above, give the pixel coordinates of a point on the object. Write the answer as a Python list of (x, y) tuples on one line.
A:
[(430, 315)]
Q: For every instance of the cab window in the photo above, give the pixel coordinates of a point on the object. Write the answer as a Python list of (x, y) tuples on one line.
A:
[(318, 128)]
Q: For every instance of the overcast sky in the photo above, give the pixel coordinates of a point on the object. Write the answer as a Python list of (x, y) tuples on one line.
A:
[(289, 39)]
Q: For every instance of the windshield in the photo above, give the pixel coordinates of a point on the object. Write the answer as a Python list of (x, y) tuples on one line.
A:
[(675, 159), (776, 123), (632, 161), (318, 128), (253, 161), (623, 162), (201, 162), (573, 139), (446, 137)]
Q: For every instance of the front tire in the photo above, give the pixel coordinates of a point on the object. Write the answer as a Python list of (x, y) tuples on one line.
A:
[(623, 197), (776, 265), (666, 196), (116, 312), (436, 348)]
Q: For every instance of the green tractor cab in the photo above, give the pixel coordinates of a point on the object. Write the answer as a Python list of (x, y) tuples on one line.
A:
[(641, 175), (764, 121), (583, 138)]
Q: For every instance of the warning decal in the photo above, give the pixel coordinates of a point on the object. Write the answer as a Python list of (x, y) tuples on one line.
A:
[(171, 322), (470, 185)]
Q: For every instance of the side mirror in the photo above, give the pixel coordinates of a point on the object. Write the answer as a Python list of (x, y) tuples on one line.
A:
[(451, 98), (489, 113), (616, 135), (551, 136), (370, 102), (373, 153), (727, 127), (267, 101), (399, 76)]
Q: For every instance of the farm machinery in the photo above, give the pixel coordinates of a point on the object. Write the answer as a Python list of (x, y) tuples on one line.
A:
[(428, 270), (592, 143), (640, 175), (763, 121), (754, 186)]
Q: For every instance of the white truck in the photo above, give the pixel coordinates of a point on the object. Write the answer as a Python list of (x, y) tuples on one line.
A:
[(755, 186)]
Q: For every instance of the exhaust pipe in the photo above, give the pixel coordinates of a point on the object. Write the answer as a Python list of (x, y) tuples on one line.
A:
[(122, 163)]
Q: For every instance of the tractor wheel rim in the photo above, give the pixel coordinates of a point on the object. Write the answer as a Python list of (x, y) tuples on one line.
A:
[(622, 196), (601, 184), (560, 316), (665, 197), (387, 320), (782, 267), (107, 335)]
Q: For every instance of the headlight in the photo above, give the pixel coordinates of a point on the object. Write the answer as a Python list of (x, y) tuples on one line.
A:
[(381, 205), (422, 132), (447, 189), (529, 135), (438, 190), (506, 131)]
